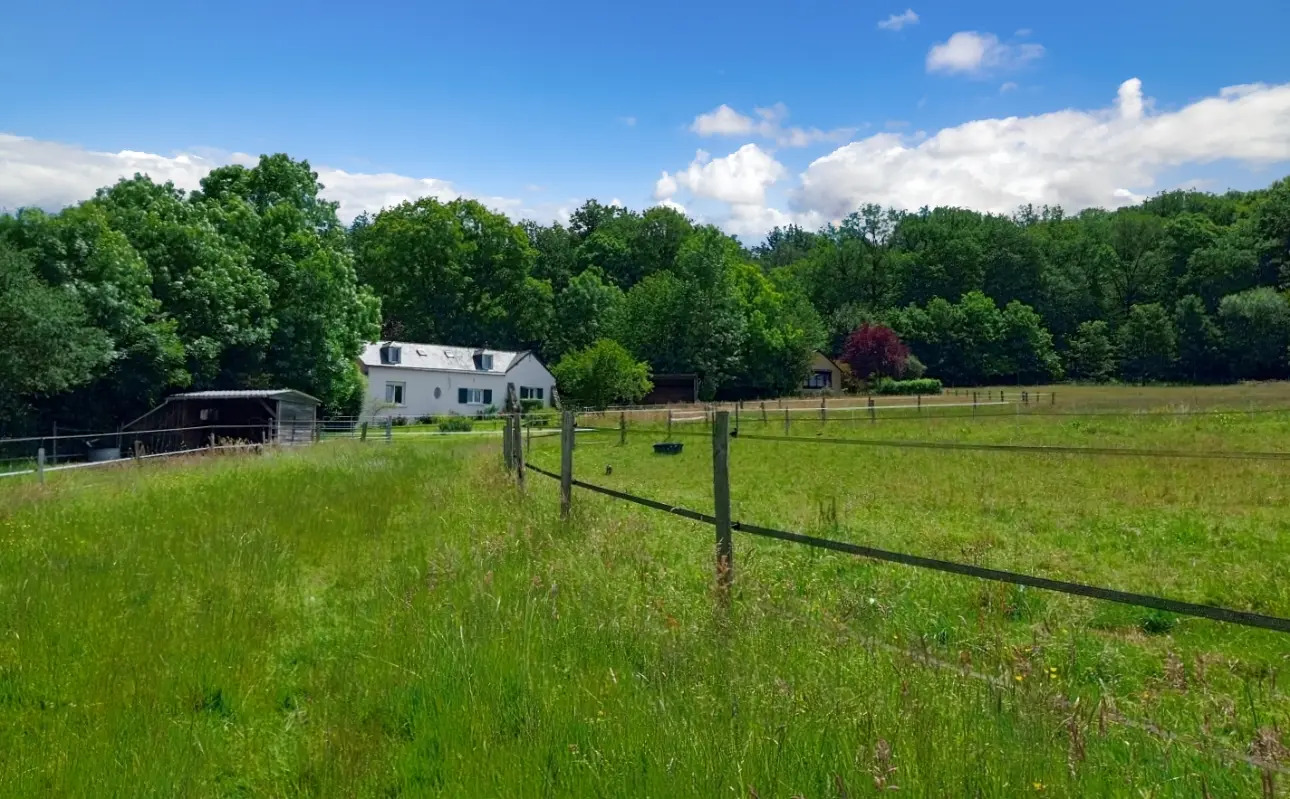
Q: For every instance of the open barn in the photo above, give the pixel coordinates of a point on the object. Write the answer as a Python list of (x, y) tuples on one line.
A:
[(189, 420)]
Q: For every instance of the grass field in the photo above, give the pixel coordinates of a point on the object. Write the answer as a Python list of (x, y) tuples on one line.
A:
[(397, 620)]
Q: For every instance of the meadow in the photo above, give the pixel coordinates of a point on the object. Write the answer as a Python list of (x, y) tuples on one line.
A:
[(398, 619)]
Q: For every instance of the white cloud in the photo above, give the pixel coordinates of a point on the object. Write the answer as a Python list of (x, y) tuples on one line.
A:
[(740, 178), (51, 175), (974, 53), (1105, 157), (628, 121), (897, 21), (1008, 86), (768, 124)]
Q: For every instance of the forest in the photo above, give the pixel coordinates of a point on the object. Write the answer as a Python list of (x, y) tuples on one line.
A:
[(252, 280)]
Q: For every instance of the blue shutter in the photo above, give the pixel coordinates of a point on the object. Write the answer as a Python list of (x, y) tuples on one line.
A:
[(488, 396), (461, 396)]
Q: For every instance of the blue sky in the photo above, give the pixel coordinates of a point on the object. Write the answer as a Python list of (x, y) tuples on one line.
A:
[(533, 106)]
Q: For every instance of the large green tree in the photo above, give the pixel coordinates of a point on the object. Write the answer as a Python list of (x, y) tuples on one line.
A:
[(1256, 332), (1148, 343)]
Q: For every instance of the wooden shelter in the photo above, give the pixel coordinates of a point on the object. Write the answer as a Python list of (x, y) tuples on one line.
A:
[(673, 388), (188, 421)]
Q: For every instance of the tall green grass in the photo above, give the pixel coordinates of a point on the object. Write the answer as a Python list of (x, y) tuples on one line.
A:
[(398, 620)]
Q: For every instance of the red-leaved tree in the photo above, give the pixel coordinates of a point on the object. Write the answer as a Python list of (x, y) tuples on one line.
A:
[(875, 351)]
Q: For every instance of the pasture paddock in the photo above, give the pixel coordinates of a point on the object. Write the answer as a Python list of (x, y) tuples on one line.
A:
[(400, 620)]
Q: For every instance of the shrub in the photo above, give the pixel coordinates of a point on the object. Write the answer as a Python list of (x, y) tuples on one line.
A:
[(924, 385), (456, 424), (914, 368), (601, 375), (427, 418), (398, 421), (528, 406), (875, 351)]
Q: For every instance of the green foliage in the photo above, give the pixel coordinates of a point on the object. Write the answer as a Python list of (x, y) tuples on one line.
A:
[(1256, 329), (1199, 342), (1092, 354), (1148, 344), (47, 345), (601, 375), (456, 424), (924, 385), (584, 312), (528, 406)]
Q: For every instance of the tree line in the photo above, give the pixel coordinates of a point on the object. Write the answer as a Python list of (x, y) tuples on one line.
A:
[(252, 281)]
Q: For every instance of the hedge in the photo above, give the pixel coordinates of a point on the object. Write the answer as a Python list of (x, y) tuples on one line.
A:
[(924, 385)]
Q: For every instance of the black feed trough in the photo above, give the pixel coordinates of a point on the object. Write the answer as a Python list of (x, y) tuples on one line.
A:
[(668, 448)]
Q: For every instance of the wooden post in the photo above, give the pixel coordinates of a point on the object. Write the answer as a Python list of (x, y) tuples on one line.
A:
[(786, 421), (528, 437), (389, 429), (669, 424), (824, 413), (566, 462), (919, 399), (362, 435), (1025, 398), (1052, 398), (738, 405), (721, 500), (40, 464), (210, 440), (53, 442), (622, 428), (763, 412), (517, 449), (138, 447), (506, 443), (873, 412), (973, 404)]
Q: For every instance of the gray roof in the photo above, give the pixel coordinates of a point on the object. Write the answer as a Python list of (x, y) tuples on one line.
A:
[(439, 357), (247, 393)]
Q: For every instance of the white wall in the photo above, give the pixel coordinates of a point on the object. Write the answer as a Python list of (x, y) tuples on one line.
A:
[(419, 387)]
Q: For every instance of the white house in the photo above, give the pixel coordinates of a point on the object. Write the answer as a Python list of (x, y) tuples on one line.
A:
[(406, 379)]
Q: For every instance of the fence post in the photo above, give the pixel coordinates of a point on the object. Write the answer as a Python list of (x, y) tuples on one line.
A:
[(210, 440), (919, 399), (669, 424), (362, 436), (517, 449), (1052, 398), (40, 464), (786, 421), (389, 430), (566, 462), (528, 436), (763, 412), (873, 412), (53, 442), (138, 445), (721, 501), (507, 455), (824, 413), (622, 428)]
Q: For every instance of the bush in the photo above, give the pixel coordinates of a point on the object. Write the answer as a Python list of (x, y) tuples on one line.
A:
[(914, 368), (456, 425), (528, 406), (428, 418), (875, 351), (398, 421), (925, 385), (601, 375)]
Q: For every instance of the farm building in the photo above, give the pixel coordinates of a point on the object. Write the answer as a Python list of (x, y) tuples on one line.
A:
[(674, 388), (407, 379), (823, 374), (186, 421)]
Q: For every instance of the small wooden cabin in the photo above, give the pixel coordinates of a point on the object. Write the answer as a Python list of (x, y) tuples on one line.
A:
[(187, 421)]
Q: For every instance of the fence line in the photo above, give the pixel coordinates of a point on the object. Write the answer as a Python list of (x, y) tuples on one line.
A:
[(137, 433), (1227, 615), (130, 459), (1030, 449)]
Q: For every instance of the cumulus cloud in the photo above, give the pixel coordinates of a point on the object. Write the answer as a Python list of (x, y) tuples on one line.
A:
[(767, 124), (51, 175), (740, 178), (973, 53), (897, 21), (1078, 159), (1008, 86)]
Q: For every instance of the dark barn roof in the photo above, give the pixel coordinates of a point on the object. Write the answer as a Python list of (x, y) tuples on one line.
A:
[(248, 393)]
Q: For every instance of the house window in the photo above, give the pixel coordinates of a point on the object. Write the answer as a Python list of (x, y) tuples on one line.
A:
[(475, 396), (820, 378), (528, 392), (391, 355), (394, 393), (484, 361)]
